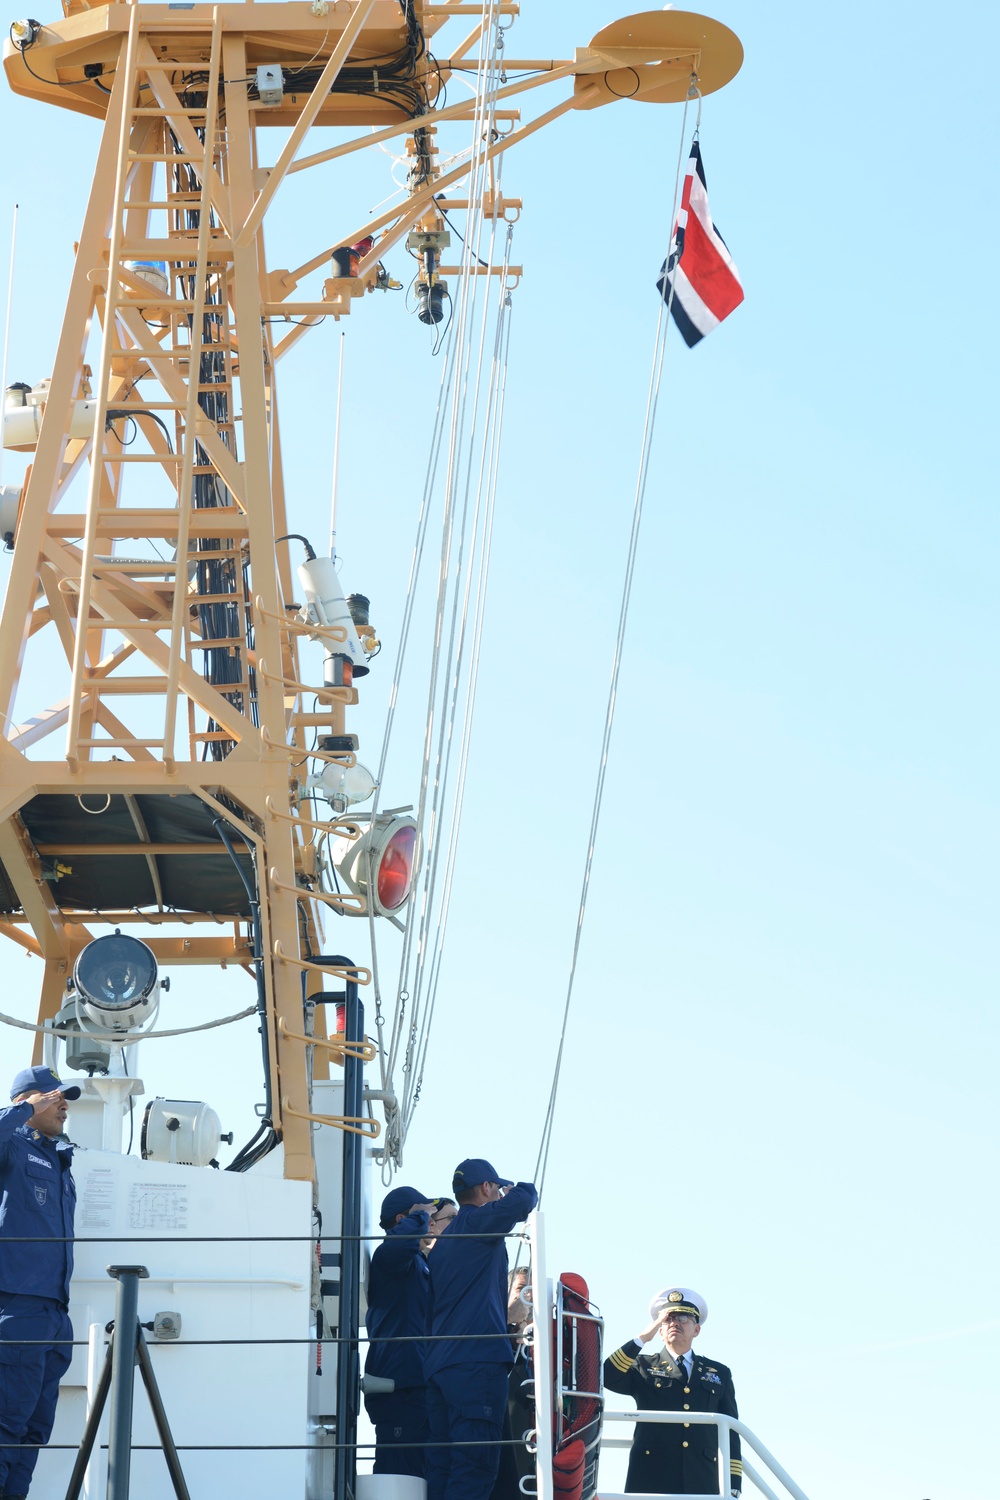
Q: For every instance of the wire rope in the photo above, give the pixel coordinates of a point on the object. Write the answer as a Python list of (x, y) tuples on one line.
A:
[(459, 402), (652, 401), (501, 351), (446, 663)]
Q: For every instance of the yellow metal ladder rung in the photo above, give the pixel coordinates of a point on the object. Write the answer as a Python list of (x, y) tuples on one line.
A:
[(163, 114), (164, 351), (178, 200), (203, 643), (137, 410), (140, 458), (194, 599), (157, 624), (129, 296), (137, 567), (173, 156), (121, 745)]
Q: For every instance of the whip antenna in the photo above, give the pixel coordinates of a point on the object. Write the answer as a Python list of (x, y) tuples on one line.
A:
[(6, 335), (336, 451)]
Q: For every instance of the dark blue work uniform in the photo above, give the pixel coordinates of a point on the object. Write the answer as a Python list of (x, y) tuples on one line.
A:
[(37, 1198), (467, 1377), (398, 1285)]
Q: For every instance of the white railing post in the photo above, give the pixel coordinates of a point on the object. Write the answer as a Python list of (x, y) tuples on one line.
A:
[(542, 1304), (725, 1478)]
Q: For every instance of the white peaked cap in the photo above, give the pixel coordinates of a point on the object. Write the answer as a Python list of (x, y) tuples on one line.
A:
[(679, 1299)]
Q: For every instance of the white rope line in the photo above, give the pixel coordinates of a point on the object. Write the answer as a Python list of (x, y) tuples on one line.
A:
[(501, 350), (386, 1060), (428, 809), (448, 664), (659, 346), (453, 660), (391, 1143), (121, 1040)]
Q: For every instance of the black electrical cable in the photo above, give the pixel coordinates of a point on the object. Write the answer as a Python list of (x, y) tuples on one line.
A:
[(266, 1134), (131, 1108), (119, 413), (437, 204), (58, 83), (296, 536)]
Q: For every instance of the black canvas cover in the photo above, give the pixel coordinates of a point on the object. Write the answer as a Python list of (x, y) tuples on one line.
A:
[(189, 882)]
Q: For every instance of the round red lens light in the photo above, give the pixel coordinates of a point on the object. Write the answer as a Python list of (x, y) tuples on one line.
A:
[(395, 870)]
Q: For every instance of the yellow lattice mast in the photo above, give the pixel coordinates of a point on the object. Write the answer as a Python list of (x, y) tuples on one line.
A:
[(180, 698)]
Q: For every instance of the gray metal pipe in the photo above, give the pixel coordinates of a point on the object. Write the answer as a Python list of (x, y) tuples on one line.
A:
[(123, 1360)]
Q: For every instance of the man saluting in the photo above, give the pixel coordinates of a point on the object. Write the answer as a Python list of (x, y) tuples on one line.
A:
[(37, 1203), (469, 1353), (667, 1457)]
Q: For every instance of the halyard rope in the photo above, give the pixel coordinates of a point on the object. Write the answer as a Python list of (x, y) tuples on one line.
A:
[(652, 399)]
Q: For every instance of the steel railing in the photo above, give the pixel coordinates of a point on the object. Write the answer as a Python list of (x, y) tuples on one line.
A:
[(727, 1426)]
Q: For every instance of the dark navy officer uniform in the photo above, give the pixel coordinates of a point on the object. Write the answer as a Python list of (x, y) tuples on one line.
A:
[(398, 1287), (37, 1203), (467, 1376), (667, 1457)]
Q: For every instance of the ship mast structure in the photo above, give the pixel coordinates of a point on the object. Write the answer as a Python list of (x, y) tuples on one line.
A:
[(159, 774), (146, 536)]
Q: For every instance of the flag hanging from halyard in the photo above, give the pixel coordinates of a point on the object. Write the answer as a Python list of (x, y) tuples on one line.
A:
[(699, 281)]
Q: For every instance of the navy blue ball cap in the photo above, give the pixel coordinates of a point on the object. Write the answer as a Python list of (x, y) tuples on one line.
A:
[(400, 1201), (41, 1081), (471, 1172)]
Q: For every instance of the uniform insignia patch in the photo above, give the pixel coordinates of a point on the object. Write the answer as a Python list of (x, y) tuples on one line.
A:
[(676, 1297), (711, 1375), (41, 1193)]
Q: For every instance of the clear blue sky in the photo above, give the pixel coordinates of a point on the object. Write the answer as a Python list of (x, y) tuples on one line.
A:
[(780, 1078)]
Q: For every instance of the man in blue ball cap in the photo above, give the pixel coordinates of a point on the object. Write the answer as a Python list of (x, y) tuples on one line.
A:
[(37, 1203), (395, 1391), (469, 1354)]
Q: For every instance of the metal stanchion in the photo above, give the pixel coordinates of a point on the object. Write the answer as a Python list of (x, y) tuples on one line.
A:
[(126, 1349), (123, 1363), (348, 1359)]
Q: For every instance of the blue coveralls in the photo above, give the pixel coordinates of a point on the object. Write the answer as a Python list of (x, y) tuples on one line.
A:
[(467, 1377), (398, 1285), (37, 1198)]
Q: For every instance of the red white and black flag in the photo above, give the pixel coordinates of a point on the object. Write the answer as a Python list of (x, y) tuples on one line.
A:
[(699, 281)]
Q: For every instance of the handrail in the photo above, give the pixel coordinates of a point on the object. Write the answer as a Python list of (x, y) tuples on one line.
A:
[(324, 694), (352, 830), (345, 758), (350, 1124), (365, 1051), (726, 1425), (303, 893), (352, 975), (335, 633)]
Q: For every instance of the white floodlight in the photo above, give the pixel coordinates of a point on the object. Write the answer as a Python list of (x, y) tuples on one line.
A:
[(115, 978)]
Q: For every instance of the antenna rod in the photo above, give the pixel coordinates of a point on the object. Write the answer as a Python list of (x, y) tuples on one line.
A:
[(6, 336), (336, 453)]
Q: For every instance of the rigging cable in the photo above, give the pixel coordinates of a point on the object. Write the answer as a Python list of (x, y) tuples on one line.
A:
[(652, 400), (453, 390), (446, 664), (501, 348), (6, 334)]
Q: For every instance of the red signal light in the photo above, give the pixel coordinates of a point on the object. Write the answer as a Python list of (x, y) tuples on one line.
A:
[(395, 870), (379, 863)]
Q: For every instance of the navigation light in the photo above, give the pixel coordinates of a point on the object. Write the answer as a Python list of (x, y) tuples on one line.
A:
[(387, 848)]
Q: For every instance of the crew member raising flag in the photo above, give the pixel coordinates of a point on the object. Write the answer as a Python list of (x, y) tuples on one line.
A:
[(699, 282)]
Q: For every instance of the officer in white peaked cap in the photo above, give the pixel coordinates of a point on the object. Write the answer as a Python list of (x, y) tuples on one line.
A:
[(675, 1457)]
